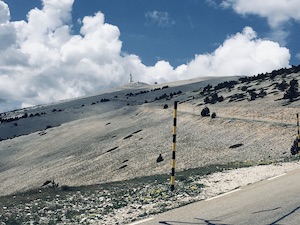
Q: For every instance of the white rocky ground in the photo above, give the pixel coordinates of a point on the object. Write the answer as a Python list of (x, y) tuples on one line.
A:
[(221, 182), (218, 183), (115, 206), (103, 141)]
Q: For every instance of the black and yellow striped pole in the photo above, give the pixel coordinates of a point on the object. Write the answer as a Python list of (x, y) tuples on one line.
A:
[(174, 146), (298, 138)]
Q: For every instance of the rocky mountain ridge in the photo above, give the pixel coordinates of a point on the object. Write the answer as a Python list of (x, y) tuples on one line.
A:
[(118, 135)]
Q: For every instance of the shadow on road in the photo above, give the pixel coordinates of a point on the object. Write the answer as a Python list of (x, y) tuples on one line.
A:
[(202, 222), (267, 210), (285, 216)]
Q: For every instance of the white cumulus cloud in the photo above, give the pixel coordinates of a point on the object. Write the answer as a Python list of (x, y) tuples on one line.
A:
[(277, 13), (241, 54), (4, 13), (42, 60)]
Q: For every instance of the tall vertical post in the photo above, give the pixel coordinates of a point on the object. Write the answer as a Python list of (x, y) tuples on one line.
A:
[(174, 147), (298, 138)]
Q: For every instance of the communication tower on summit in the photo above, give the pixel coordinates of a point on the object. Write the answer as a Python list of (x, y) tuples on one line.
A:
[(130, 78)]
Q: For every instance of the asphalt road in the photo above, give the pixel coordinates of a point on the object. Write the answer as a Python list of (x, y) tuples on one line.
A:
[(272, 201)]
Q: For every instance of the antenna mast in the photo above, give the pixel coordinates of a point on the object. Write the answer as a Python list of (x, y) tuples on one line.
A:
[(130, 78)]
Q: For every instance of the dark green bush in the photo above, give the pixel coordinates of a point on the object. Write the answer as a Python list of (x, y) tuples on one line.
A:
[(292, 92), (205, 112), (213, 115)]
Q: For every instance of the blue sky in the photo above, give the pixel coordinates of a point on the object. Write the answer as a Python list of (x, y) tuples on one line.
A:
[(59, 49)]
